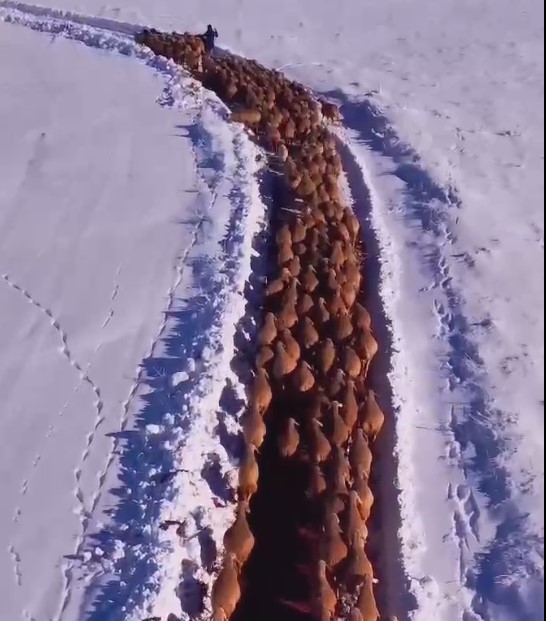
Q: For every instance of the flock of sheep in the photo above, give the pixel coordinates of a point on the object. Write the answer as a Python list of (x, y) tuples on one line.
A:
[(314, 345)]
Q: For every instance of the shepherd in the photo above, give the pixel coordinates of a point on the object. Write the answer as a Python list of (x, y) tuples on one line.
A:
[(208, 38)]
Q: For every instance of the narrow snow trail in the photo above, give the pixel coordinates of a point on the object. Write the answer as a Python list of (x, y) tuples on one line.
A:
[(117, 421)]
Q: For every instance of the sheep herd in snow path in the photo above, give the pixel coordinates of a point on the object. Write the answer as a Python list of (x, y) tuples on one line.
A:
[(314, 345)]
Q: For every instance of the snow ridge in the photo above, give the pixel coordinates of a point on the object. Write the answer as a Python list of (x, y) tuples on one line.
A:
[(181, 493)]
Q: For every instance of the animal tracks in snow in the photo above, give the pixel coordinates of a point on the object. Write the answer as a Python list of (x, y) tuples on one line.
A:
[(98, 405)]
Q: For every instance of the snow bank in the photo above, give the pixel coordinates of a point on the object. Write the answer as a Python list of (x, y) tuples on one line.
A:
[(117, 211)]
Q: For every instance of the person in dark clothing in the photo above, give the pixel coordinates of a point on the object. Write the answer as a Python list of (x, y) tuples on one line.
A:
[(208, 38)]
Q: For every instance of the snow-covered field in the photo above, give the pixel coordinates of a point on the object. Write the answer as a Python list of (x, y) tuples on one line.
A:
[(124, 194)]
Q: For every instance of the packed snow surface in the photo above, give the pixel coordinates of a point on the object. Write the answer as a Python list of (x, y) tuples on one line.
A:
[(442, 138)]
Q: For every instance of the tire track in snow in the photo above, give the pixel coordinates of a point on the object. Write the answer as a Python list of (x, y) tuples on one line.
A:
[(84, 378)]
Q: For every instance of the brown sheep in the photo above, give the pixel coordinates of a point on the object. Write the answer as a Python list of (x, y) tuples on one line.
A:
[(303, 379), (290, 344), (268, 331), (284, 236), (294, 266), (357, 567), (290, 294), (264, 355), (299, 231), (326, 600), (366, 346), (309, 280), (354, 526), (289, 439), (283, 363), (226, 592), (284, 254), (320, 312), (330, 111), (248, 474), (342, 328), (276, 286), (254, 429), (320, 446), (332, 547), (248, 117), (361, 317), (306, 186), (326, 355), (352, 273), (351, 362), (335, 383), (348, 293), (308, 333), (366, 604), (304, 304), (339, 431), (372, 416), (340, 463), (337, 256), (361, 487), (360, 455), (317, 482), (287, 316), (352, 224), (261, 394), (238, 538), (349, 408)]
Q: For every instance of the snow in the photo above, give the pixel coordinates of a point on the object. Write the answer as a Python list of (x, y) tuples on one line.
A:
[(443, 105)]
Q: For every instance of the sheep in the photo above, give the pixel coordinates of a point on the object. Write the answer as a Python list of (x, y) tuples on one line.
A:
[(308, 333), (362, 488), (248, 116), (349, 405), (261, 394), (372, 416), (358, 566), (303, 379), (333, 549), (326, 600), (361, 318), (254, 428), (351, 363), (276, 286), (320, 446), (268, 331), (366, 604), (290, 344), (248, 474), (360, 455), (354, 527), (339, 431), (317, 482), (238, 538), (289, 439), (226, 592), (366, 346), (283, 363), (326, 355), (264, 355)]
